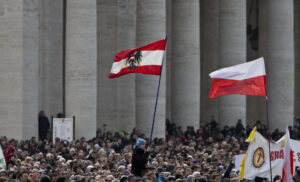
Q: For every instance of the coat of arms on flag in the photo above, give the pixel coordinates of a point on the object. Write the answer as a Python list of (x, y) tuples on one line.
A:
[(134, 60), (146, 59)]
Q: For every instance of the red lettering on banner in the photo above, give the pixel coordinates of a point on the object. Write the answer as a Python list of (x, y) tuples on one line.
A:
[(293, 155), (276, 155), (272, 156), (281, 154)]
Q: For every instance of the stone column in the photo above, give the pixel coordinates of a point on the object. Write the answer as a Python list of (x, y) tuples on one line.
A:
[(11, 68), (209, 48), (81, 66), (30, 67), (116, 97), (185, 68), (151, 26), (297, 57), (256, 106), (280, 62), (126, 39), (107, 46), (168, 59), (232, 51), (19, 73), (51, 58)]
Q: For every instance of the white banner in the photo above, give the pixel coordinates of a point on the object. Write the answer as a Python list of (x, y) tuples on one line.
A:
[(257, 163), (63, 128)]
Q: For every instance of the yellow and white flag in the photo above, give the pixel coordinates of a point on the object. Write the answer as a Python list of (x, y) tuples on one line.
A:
[(256, 160)]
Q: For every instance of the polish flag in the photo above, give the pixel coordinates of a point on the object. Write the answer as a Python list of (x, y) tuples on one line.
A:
[(244, 79), (288, 166), (146, 60)]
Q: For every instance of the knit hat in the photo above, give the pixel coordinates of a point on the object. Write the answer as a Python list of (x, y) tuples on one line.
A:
[(139, 142)]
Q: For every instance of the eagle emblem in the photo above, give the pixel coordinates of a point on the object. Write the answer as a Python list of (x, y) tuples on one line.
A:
[(134, 60)]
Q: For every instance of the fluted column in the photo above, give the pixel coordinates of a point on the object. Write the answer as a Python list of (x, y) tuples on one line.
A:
[(209, 48), (81, 65), (151, 26), (185, 68), (280, 62), (232, 50), (51, 58)]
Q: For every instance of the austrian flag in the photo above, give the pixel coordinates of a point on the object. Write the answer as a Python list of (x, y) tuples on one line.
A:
[(146, 60), (244, 79)]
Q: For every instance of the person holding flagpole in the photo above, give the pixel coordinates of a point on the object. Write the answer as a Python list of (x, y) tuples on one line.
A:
[(140, 158), (147, 59)]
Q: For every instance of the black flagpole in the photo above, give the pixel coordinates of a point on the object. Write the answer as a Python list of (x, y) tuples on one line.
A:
[(269, 137), (157, 93), (269, 132)]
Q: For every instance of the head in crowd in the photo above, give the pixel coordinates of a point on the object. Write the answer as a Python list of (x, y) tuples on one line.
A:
[(140, 143)]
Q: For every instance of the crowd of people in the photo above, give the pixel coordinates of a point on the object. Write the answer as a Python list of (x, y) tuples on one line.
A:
[(206, 154)]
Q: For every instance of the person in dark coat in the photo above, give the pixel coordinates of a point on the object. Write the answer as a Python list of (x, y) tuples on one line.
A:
[(239, 126), (44, 126), (139, 158)]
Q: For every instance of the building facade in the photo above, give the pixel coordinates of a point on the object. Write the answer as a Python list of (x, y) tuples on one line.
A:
[(56, 56)]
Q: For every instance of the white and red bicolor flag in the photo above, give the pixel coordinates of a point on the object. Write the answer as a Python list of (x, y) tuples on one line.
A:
[(244, 79), (146, 60), (288, 166)]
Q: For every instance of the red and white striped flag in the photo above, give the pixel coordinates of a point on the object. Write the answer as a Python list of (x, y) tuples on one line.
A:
[(146, 60), (244, 79)]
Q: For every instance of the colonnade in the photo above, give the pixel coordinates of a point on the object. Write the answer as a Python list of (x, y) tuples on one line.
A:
[(59, 55)]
